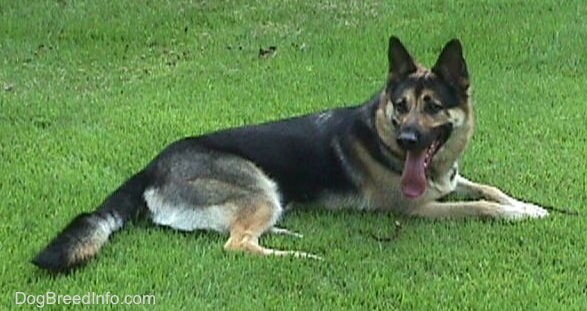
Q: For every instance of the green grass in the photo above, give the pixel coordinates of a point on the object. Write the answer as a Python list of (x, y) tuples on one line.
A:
[(92, 90)]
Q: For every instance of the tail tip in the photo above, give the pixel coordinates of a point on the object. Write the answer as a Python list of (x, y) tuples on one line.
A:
[(53, 261), (78, 243)]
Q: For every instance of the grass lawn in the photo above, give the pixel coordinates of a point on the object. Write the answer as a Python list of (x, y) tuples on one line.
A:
[(92, 90)]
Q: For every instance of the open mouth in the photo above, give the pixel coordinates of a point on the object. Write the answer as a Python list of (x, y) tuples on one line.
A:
[(418, 163)]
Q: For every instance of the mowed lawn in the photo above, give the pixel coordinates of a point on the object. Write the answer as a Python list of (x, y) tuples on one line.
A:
[(92, 90)]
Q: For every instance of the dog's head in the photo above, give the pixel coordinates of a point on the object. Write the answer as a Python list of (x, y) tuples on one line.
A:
[(428, 111)]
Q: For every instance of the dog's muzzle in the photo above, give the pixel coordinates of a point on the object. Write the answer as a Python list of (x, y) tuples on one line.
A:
[(420, 148), (410, 139)]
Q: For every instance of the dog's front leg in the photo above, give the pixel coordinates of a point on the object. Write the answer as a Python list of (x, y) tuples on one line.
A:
[(475, 191), (481, 208)]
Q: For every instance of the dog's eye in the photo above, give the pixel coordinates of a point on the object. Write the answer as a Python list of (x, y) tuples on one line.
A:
[(401, 105), (433, 107)]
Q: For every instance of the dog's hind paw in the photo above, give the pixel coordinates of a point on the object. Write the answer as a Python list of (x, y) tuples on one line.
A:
[(282, 231), (522, 210)]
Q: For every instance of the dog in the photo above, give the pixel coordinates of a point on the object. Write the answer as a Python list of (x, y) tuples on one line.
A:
[(396, 152)]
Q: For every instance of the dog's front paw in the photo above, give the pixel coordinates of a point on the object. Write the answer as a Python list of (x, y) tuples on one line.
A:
[(521, 210)]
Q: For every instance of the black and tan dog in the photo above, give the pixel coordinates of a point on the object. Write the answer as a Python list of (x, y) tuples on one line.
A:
[(397, 152)]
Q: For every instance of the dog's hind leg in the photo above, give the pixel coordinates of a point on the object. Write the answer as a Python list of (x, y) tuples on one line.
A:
[(283, 231), (219, 192), (255, 218)]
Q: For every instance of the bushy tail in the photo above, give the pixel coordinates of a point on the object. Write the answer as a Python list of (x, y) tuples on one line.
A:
[(85, 235)]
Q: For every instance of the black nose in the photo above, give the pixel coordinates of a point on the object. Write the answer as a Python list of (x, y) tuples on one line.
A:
[(408, 139)]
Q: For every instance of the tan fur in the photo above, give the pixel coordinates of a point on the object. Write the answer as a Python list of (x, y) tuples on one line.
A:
[(224, 192), (250, 223), (479, 191), (457, 209), (86, 250), (457, 143), (495, 204), (384, 128), (379, 185), (382, 186)]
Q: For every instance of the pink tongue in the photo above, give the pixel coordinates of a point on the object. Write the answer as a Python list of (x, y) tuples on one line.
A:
[(413, 179)]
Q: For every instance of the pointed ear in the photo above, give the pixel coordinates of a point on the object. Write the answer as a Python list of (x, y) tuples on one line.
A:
[(451, 66), (401, 62)]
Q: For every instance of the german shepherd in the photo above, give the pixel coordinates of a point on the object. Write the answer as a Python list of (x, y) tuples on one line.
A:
[(397, 152)]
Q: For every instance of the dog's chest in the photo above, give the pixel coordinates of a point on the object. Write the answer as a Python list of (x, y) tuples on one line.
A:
[(381, 189)]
